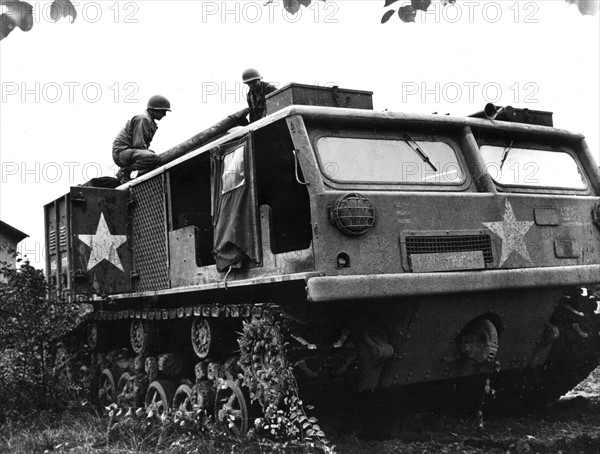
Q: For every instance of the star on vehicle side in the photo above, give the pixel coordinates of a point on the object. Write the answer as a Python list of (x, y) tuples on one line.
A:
[(104, 245), (511, 232)]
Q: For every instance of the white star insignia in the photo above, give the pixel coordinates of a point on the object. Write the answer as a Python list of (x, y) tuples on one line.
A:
[(104, 245), (511, 232)]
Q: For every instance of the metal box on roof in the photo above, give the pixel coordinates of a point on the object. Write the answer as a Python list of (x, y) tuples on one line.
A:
[(314, 95)]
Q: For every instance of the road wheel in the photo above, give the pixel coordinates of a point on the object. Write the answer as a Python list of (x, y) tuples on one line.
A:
[(159, 397), (231, 408), (107, 387)]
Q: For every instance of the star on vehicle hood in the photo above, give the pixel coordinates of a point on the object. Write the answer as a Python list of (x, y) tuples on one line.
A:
[(511, 232), (104, 245)]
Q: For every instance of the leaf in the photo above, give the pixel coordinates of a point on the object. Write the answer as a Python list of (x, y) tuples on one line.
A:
[(420, 4), (291, 6), (305, 3), (62, 8), (387, 15), (389, 2), (407, 13), (18, 14)]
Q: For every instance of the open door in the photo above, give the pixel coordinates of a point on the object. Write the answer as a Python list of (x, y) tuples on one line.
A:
[(234, 209), (101, 261)]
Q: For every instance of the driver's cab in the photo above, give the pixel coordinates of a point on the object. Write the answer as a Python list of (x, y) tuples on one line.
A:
[(238, 206)]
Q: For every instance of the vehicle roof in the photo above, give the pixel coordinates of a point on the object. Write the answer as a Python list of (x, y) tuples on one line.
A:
[(370, 116)]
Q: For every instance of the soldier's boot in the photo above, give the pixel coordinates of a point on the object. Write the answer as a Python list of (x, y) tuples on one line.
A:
[(124, 175)]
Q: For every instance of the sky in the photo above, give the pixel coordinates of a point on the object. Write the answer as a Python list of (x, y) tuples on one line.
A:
[(68, 88)]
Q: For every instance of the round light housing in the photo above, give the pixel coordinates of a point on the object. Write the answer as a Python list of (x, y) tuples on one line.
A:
[(353, 214)]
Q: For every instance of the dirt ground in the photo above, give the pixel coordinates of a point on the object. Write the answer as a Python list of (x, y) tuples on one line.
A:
[(570, 425)]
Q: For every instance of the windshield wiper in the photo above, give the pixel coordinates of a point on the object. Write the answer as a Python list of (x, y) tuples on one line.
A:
[(505, 154), (416, 148)]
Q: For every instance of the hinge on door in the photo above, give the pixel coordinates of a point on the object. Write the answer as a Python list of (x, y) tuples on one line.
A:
[(79, 198)]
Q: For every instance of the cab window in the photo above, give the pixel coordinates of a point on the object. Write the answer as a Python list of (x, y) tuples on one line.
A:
[(376, 160), (513, 166), (233, 170)]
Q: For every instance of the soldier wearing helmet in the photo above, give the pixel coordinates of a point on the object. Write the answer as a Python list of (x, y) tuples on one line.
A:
[(131, 147), (256, 94)]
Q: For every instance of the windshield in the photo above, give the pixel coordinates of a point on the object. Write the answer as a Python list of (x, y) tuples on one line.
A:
[(528, 167), (367, 160)]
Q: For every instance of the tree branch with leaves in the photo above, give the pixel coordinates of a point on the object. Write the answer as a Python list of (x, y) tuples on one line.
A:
[(19, 14)]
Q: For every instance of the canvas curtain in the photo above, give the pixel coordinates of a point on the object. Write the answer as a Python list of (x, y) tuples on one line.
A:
[(233, 211)]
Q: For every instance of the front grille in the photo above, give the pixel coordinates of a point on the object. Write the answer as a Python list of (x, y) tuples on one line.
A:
[(427, 244), (149, 236)]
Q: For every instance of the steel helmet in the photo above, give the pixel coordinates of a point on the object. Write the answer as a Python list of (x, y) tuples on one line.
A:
[(158, 102), (250, 74)]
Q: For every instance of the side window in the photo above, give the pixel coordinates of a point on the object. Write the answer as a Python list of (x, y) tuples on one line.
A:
[(233, 170)]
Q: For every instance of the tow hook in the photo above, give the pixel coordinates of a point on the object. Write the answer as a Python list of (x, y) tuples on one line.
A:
[(479, 341)]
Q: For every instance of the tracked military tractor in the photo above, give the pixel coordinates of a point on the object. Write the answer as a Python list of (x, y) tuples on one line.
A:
[(375, 252)]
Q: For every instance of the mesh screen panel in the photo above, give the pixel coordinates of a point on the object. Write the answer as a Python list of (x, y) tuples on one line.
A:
[(450, 243), (149, 236)]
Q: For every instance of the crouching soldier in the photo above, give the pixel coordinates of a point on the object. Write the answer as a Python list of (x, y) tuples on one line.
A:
[(257, 91), (131, 147)]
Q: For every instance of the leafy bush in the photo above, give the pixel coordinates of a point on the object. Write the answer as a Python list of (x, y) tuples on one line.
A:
[(29, 324)]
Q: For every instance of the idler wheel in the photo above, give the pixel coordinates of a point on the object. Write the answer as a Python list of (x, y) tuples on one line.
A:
[(140, 336), (479, 341), (231, 408), (202, 333)]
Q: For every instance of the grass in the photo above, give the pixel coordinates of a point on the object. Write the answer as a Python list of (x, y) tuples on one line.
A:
[(83, 431)]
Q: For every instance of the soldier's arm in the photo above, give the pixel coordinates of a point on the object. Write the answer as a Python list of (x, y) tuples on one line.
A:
[(270, 89), (141, 133)]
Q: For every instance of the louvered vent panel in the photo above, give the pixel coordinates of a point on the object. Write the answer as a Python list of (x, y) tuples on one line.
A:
[(62, 232), (52, 241)]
